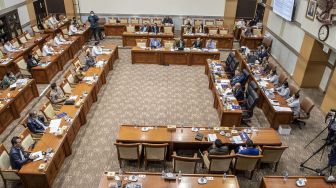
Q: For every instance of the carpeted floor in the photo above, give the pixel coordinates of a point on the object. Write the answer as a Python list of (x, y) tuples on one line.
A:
[(160, 95)]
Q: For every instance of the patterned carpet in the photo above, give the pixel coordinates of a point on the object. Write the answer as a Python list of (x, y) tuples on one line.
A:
[(160, 95)]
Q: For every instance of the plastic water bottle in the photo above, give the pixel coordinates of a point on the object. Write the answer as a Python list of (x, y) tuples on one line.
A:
[(285, 176), (180, 175), (224, 176)]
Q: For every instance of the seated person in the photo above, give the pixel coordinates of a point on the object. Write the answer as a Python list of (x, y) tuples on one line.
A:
[(262, 53), (155, 43), (9, 47), (273, 77), (284, 90), (79, 75), (238, 78), (52, 21), (73, 28), (200, 29), (188, 28), (253, 22), (59, 40), (145, 28), (197, 43), (96, 50), (89, 60), (155, 28), (180, 44), (47, 49), (8, 80), (211, 44), (18, 157), (249, 149), (56, 95), (294, 104), (238, 92), (218, 148), (36, 123), (31, 62), (167, 20), (75, 22)]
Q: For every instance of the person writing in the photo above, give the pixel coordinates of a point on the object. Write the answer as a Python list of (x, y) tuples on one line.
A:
[(197, 43), (56, 95), (36, 124), (8, 80), (47, 49), (17, 155), (31, 62), (155, 43), (96, 50), (284, 90), (249, 149)]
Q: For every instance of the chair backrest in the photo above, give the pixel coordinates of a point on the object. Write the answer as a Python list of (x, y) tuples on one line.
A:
[(36, 29), (27, 139), (220, 163), (37, 51), (101, 21), (15, 42), (22, 39), (65, 31), (112, 20), (65, 86), (5, 167), (141, 43), (135, 20), (130, 28), (69, 77), (267, 42), (197, 22), (168, 44), (168, 30), (219, 22), (123, 20), (213, 31), (77, 64), (246, 76), (209, 22), (246, 162), (307, 105), (252, 100), (253, 85), (157, 21), (145, 20), (272, 154), (155, 151), (48, 110), (257, 32), (186, 165), (128, 151), (282, 78), (293, 89), (28, 36), (223, 31), (21, 63)]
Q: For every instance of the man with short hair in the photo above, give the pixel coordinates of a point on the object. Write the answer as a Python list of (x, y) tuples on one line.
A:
[(294, 104), (155, 28), (18, 157), (36, 123), (167, 20), (56, 94), (155, 43), (238, 78), (95, 30), (96, 50), (218, 148), (249, 149), (197, 43)]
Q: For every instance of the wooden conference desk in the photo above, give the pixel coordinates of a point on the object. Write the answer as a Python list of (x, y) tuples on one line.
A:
[(228, 117), (30, 175), (188, 180), (165, 57), (223, 41), (184, 138), (251, 42), (9, 65), (275, 117), (83, 34), (278, 182), (117, 29), (20, 98), (45, 72), (54, 31), (129, 39)]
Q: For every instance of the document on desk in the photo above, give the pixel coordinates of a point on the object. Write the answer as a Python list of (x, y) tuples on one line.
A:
[(237, 140), (282, 109), (88, 79), (39, 155), (100, 63), (74, 97), (212, 137), (54, 125), (263, 83)]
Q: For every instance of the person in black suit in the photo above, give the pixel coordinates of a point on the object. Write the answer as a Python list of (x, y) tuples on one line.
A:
[(180, 44), (31, 62), (155, 28), (36, 124), (145, 28), (167, 20), (238, 92), (218, 148), (197, 43), (17, 156)]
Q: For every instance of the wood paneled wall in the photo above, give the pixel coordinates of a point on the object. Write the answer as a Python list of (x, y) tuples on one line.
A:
[(230, 12)]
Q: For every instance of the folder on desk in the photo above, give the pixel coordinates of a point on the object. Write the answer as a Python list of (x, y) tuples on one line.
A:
[(212, 137)]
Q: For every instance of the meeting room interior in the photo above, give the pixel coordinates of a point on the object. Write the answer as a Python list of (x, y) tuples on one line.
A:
[(169, 93)]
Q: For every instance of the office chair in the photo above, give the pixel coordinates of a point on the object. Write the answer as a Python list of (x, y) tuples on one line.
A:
[(249, 107), (306, 107), (246, 78), (229, 59)]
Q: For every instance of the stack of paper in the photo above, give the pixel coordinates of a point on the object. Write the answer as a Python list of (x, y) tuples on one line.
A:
[(263, 83), (237, 140), (212, 137), (54, 125), (283, 109)]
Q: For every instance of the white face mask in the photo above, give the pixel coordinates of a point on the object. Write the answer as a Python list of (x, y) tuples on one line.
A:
[(92, 14)]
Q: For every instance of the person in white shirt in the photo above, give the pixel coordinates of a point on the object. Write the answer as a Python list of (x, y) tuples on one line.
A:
[(294, 104), (96, 50), (52, 20), (284, 90), (273, 77), (47, 49), (59, 40), (72, 29), (9, 47)]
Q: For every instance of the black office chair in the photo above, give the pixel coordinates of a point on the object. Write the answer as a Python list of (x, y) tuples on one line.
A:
[(230, 70), (249, 107), (229, 59), (246, 77)]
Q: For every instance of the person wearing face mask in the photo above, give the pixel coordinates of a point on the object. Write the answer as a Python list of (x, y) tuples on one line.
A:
[(95, 31), (262, 53)]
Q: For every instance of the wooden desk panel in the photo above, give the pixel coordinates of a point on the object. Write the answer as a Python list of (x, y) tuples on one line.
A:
[(114, 29), (275, 118), (200, 58), (251, 42), (133, 134), (150, 57), (223, 41), (84, 36), (175, 58), (188, 180), (129, 39), (43, 75), (278, 182)]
